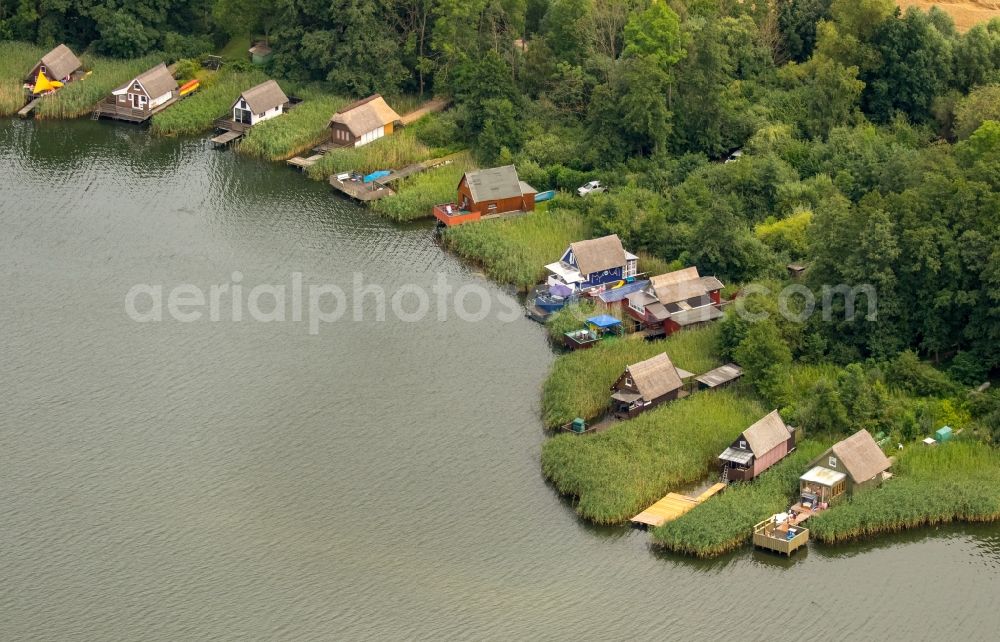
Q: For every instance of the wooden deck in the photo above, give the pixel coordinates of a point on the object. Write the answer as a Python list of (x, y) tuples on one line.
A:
[(30, 107), (364, 192), (673, 506), (772, 538), (226, 137), (128, 114)]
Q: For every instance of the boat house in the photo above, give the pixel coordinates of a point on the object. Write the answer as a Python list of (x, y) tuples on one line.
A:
[(757, 448), (137, 100), (260, 103), (55, 69), (675, 301), (593, 264), (362, 122), (851, 465), (487, 193), (646, 384)]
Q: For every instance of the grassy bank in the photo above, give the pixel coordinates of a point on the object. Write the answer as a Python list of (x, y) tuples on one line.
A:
[(297, 131), (617, 473), (419, 193), (16, 60), (578, 385), (955, 482), (198, 112), (390, 152), (725, 523), (516, 250), (79, 98)]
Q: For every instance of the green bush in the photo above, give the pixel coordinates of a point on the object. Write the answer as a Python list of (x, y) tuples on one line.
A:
[(16, 60)]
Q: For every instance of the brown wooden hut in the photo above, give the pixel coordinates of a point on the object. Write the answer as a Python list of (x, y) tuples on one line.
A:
[(850, 465), (146, 94), (645, 385), (759, 447), (59, 64), (362, 122)]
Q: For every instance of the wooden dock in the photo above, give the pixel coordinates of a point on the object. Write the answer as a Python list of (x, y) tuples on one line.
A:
[(673, 506), (772, 537), (106, 109), (226, 137), (358, 190), (30, 107)]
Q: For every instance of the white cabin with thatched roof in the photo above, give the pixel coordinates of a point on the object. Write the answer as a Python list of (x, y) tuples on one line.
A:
[(362, 122)]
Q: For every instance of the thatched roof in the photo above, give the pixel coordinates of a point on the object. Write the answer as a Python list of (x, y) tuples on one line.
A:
[(60, 62), (156, 81), (365, 115), (682, 285), (677, 276), (494, 184), (861, 456), (597, 255), (266, 95), (655, 377), (766, 434)]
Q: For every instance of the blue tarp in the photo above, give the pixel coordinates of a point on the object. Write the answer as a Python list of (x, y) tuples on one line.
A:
[(618, 294), (374, 176), (545, 196), (604, 321)]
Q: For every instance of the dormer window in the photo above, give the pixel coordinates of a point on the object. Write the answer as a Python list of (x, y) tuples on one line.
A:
[(833, 462)]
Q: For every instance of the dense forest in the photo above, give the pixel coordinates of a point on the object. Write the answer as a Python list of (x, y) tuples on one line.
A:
[(870, 137)]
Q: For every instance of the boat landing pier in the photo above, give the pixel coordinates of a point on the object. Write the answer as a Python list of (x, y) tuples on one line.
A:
[(673, 506)]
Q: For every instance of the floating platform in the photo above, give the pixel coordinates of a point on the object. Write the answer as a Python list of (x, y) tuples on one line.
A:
[(782, 538), (304, 162), (673, 506), (30, 107)]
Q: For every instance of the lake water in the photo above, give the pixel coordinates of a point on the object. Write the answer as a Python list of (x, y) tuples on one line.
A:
[(249, 480)]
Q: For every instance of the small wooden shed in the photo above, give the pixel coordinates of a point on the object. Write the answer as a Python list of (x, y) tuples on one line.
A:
[(645, 385), (850, 465), (362, 122), (60, 64), (759, 447)]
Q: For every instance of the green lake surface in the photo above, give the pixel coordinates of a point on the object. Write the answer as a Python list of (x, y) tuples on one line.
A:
[(237, 480)]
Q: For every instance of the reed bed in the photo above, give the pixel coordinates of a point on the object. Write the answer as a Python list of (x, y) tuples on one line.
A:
[(198, 112), (390, 152), (516, 250), (79, 98), (957, 481), (16, 60), (418, 194), (619, 472), (296, 132), (725, 522), (579, 382)]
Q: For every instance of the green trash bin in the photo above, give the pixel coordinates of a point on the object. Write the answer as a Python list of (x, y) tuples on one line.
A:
[(579, 425)]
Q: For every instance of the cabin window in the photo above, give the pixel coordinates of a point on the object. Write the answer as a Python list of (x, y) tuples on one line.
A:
[(492, 207), (839, 488), (833, 462), (743, 444), (628, 381), (638, 307), (630, 268)]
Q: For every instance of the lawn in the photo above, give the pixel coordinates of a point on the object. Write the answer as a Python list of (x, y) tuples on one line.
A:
[(619, 472), (726, 521), (16, 60), (957, 481), (296, 132), (198, 112), (579, 383)]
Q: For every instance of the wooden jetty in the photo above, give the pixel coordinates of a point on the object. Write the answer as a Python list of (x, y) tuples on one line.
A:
[(359, 190), (230, 130), (673, 506), (226, 137), (108, 109), (380, 187), (30, 107)]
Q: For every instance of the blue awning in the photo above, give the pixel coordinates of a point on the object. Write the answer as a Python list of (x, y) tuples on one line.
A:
[(604, 321)]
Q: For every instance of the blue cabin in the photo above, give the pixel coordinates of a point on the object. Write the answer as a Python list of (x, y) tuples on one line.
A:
[(596, 263)]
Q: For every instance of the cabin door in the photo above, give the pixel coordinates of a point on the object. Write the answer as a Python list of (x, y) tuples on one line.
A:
[(243, 116)]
